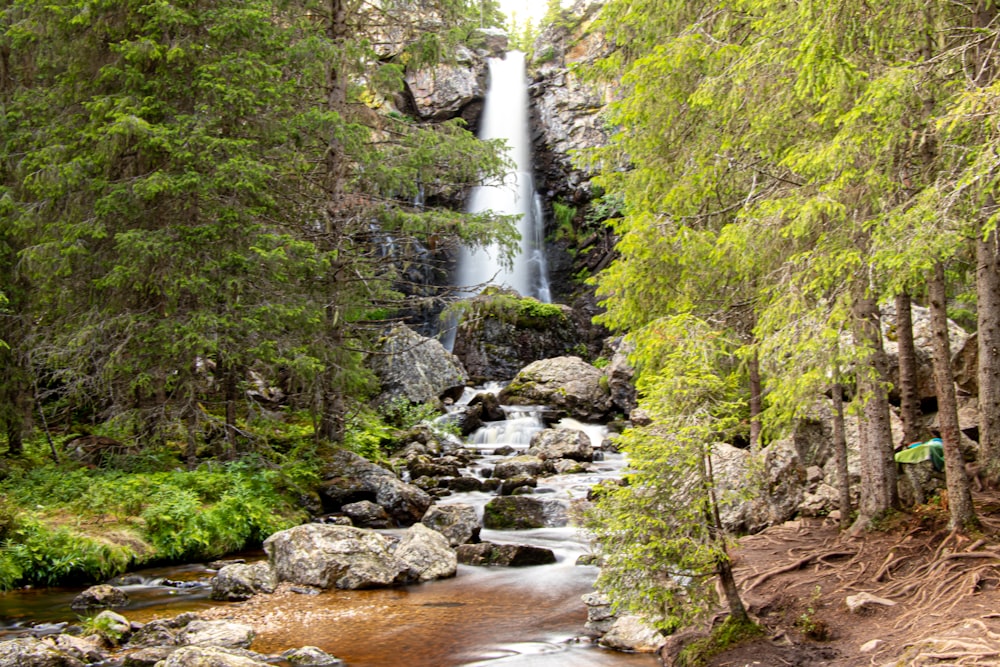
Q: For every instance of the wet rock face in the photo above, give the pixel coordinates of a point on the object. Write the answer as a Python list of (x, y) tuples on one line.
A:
[(444, 91), (506, 555), (349, 478), (523, 512), (458, 522), (502, 332)]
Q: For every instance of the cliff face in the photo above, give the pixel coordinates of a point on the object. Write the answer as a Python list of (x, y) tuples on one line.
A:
[(567, 117)]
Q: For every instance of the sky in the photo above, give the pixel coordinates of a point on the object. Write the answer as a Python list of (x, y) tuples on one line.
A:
[(524, 9)]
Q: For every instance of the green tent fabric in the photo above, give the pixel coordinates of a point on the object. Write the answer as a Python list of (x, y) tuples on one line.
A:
[(932, 451)]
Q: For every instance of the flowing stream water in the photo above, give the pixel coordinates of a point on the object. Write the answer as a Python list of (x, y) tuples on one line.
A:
[(485, 616)]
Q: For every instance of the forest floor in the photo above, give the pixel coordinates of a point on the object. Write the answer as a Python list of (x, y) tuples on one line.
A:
[(939, 592)]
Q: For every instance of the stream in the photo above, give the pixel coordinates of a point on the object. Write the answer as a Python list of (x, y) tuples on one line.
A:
[(528, 616)]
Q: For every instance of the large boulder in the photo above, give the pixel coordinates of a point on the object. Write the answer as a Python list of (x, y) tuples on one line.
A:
[(328, 556), (459, 522), (241, 581), (506, 555), (349, 478), (102, 596), (518, 466), (631, 633), (210, 656), (923, 342), (224, 634), (311, 656), (523, 512), (427, 553), (569, 385), (502, 332), (32, 652), (415, 368), (561, 443)]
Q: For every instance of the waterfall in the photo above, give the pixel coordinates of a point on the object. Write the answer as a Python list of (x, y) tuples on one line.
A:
[(505, 116)]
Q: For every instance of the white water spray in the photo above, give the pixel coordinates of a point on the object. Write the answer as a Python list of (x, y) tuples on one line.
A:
[(505, 116)]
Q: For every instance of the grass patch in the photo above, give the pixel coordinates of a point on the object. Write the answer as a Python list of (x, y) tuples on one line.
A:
[(725, 636)]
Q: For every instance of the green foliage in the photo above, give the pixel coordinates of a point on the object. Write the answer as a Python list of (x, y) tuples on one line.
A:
[(658, 537), (729, 634), (564, 215), (34, 553), (102, 626), (401, 413)]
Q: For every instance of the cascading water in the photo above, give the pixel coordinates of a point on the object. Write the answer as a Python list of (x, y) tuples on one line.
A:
[(505, 116)]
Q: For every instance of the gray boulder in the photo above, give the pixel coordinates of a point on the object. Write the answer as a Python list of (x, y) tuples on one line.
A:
[(349, 478), (518, 466), (506, 555), (328, 556), (31, 652), (366, 514), (631, 633), (427, 553), (148, 657), (561, 443), (600, 616), (310, 656), (568, 385), (241, 581), (100, 596), (415, 368), (82, 648), (211, 656), (523, 512), (459, 523), (224, 634)]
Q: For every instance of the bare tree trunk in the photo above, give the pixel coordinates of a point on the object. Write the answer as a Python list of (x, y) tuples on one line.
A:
[(756, 402), (840, 455), (909, 409), (988, 341), (960, 507), (723, 566), (878, 468)]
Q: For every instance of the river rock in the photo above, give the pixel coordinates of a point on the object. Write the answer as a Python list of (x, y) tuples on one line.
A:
[(329, 556), (427, 553), (600, 616), (415, 368), (310, 656), (225, 634), (240, 581), (84, 649), (508, 555), (517, 484), (210, 656), (459, 523), (569, 385), (100, 596), (502, 332), (631, 633), (32, 652), (518, 466), (366, 514), (114, 628), (523, 512), (348, 478), (561, 443), (148, 657)]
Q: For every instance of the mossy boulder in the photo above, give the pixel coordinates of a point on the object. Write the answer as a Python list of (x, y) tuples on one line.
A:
[(523, 512), (568, 385)]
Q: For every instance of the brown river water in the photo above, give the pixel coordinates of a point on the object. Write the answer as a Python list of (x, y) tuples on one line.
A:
[(485, 616)]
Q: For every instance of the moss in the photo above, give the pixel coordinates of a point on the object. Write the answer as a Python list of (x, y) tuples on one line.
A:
[(729, 634)]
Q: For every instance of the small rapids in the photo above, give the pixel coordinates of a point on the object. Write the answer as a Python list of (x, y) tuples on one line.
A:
[(485, 616)]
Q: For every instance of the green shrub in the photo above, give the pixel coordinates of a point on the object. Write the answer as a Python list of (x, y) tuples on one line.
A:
[(725, 636)]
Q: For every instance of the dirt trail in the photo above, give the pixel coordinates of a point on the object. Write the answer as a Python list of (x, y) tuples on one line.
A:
[(939, 593)]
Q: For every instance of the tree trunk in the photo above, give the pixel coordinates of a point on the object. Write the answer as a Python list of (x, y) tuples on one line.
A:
[(723, 566), (960, 507), (988, 340), (840, 455), (878, 468), (756, 403), (909, 409)]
